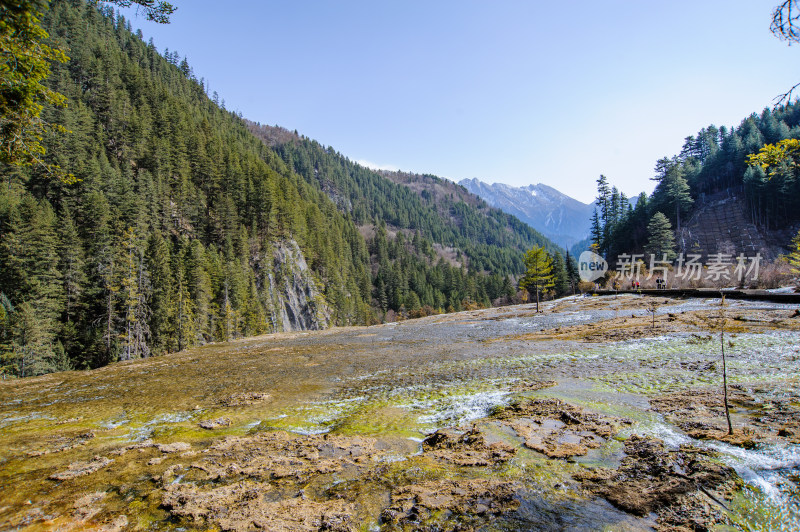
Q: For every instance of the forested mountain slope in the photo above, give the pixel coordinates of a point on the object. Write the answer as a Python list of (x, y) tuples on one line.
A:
[(441, 211), (184, 228), (712, 183), (174, 233)]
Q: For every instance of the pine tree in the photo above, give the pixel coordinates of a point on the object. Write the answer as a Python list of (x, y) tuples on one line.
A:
[(103, 289), (200, 289), (72, 266), (794, 255), (560, 276), (35, 302), (157, 260), (678, 193), (660, 239), (185, 324), (572, 272), (133, 295), (34, 349), (597, 230), (539, 272), (7, 362), (604, 199)]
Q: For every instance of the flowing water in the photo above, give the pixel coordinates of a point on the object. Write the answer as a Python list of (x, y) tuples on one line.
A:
[(400, 382)]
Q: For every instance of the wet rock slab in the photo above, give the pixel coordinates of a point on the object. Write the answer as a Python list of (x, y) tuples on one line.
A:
[(701, 414), (451, 503), (684, 487), (81, 468), (60, 443), (558, 429), (471, 448), (312, 482), (218, 423), (247, 505), (244, 399), (259, 482)]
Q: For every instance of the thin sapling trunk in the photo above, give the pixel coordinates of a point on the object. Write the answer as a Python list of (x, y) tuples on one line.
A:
[(724, 365)]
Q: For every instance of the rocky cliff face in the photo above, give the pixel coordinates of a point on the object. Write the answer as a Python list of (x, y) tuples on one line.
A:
[(297, 302), (719, 223)]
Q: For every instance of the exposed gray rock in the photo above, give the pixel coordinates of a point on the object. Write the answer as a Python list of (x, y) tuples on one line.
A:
[(297, 300)]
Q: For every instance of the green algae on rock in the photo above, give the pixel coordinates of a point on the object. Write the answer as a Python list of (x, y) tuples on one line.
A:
[(452, 403)]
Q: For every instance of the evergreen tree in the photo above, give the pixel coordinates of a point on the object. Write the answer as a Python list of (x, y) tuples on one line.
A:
[(133, 295), (72, 266), (157, 263), (573, 276), (597, 230), (560, 275), (794, 255), (660, 239), (539, 273), (185, 324), (678, 193), (34, 350), (168, 238), (7, 362)]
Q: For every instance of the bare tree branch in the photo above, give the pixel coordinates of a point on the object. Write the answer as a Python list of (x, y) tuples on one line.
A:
[(785, 25), (786, 97), (785, 20)]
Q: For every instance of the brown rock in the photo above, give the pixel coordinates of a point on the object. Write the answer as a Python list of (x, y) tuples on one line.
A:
[(469, 497), (675, 484), (175, 447), (79, 469), (86, 507), (558, 429), (247, 505), (211, 424), (245, 398), (466, 448), (58, 444)]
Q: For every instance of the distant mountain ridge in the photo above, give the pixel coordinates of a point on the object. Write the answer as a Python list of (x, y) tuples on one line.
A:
[(559, 217)]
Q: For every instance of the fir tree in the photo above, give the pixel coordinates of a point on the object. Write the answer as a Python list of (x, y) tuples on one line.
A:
[(157, 261), (660, 239), (72, 266), (560, 275), (794, 255), (572, 272), (539, 273)]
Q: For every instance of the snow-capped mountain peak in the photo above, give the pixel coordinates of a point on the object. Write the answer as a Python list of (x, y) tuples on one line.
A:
[(562, 219)]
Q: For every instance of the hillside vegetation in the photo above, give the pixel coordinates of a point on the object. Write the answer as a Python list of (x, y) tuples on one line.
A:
[(713, 165), (184, 228)]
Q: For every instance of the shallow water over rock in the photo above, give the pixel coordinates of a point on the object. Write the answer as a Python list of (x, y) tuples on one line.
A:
[(595, 367)]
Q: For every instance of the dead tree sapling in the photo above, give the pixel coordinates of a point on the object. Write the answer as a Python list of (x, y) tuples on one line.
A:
[(652, 308), (724, 364)]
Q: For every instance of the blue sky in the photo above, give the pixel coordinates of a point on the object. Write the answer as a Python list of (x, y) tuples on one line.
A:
[(506, 91)]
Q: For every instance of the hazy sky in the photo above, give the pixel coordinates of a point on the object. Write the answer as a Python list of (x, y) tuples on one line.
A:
[(517, 92)]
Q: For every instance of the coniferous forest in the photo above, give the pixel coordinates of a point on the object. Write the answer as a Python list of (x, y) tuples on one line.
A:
[(182, 227), (714, 160)]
